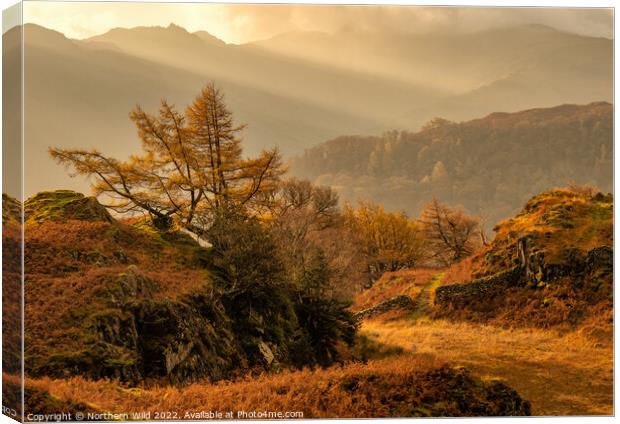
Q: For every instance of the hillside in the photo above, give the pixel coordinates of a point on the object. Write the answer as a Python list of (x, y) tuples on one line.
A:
[(294, 102), (125, 300), (105, 299), (491, 165), (120, 315), (62, 114), (549, 266), (534, 308)]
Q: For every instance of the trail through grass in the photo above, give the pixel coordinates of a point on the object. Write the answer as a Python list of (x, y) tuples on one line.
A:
[(425, 299), (560, 375)]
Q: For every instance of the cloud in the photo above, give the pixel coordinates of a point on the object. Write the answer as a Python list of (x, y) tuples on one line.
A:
[(240, 23)]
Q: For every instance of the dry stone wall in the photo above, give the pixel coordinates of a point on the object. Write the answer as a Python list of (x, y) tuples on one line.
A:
[(398, 302)]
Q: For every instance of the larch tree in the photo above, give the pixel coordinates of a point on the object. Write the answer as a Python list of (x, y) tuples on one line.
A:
[(191, 165)]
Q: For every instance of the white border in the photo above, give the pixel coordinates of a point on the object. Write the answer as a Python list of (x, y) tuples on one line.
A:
[(489, 3)]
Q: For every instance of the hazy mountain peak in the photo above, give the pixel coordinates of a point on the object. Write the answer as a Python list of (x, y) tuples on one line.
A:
[(207, 37), (172, 31), (175, 27), (42, 36), (151, 41), (34, 29)]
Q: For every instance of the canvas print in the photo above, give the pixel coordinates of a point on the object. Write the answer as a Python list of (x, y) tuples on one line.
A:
[(253, 211)]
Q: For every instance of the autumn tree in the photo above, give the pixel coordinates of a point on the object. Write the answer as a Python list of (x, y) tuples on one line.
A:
[(390, 240), (451, 234), (305, 219), (300, 209), (191, 165)]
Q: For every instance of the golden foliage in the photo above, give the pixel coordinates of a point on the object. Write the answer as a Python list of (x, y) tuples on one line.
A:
[(390, 241), (191, 163)]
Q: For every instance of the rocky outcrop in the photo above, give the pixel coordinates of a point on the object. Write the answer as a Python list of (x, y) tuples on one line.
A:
[(185, 340), (532, 271), (399, 302), (63, 205), (600, 258), (134, 336), (447, 391), (473, 397)]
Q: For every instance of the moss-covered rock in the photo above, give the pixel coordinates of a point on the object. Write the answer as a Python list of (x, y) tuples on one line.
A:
[(447, 391), (11, 210), (61, 205)]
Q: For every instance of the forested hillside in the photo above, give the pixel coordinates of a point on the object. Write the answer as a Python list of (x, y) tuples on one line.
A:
[(491, 166)]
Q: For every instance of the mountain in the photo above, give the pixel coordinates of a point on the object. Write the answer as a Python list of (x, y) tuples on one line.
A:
[(78, 93), (491, 166), (477, 73), (452, 61), (208, 38), (341, 91)]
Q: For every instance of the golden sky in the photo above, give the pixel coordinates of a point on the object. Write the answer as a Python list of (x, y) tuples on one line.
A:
[(238, 23)]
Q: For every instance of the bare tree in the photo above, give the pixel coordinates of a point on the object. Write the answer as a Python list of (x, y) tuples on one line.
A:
[(307, 221), (451, 233)]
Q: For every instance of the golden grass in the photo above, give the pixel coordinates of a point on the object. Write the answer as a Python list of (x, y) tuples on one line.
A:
[(407, 282), (460, 272), (560, 374), (383, 388)]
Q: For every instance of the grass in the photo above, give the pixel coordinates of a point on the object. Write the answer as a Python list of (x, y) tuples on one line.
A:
[(560, 374), (411, 385), (391, 284)]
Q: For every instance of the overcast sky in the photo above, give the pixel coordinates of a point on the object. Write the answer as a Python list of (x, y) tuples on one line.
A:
[(242, 23)]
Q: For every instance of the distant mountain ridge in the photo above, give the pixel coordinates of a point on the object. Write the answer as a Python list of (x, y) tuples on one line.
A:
[(78, 93), (490, 165)]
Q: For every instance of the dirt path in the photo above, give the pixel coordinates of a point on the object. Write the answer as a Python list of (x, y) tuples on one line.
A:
[(560, 375)]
